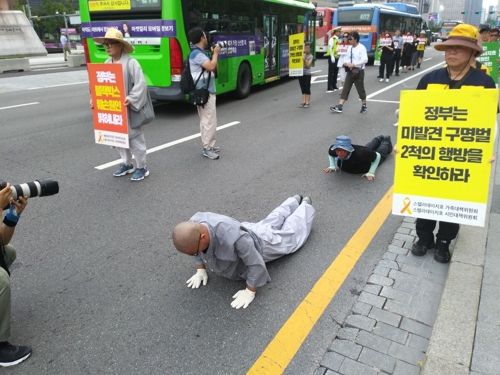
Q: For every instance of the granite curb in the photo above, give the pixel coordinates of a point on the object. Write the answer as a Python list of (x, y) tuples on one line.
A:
[(390, 325)]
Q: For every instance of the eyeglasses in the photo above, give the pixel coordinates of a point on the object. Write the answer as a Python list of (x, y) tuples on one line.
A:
[(350, 38), (457, 49), (346, 36), (198, 247), (109, 44)]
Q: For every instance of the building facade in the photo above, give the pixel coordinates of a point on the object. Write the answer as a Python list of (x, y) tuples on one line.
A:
[(471, 8)]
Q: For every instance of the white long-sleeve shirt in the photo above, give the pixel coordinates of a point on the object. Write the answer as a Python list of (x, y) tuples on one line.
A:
[(358, 56)]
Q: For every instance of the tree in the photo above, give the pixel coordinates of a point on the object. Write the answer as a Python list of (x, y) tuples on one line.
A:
[(434, 26), (56, 9)]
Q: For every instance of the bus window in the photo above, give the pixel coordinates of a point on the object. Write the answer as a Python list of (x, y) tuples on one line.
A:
[(356, 17)]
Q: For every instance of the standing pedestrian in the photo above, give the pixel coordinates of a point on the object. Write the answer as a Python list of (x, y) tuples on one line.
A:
[(398, 52), (422, 42), (66, 47), (239, 251), (201, 64), (414, 56), (346, 49), (386, 57), (305, 79), (333, 69), (118, 51), (407, 52), (355, 69), (459, 48)]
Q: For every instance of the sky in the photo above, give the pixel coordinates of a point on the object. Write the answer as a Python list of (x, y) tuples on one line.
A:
[(487, 3)]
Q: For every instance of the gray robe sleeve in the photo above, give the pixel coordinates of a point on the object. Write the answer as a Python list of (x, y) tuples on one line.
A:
[(138, 95), (257, 274)]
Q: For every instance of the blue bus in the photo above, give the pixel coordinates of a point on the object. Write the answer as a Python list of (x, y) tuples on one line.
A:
[(369, 20)]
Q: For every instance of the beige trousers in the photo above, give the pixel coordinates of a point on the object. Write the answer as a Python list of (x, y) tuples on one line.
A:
[(5, 314), (208, 122)]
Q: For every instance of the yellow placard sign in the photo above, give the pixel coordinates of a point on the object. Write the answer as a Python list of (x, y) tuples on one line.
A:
[(445, 143), (296, 51), (100, 5)]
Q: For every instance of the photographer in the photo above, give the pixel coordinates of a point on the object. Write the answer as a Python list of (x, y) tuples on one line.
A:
[(10, 355), (199, 62)]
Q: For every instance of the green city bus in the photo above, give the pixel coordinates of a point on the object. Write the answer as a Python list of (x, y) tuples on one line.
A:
[(255, 31)]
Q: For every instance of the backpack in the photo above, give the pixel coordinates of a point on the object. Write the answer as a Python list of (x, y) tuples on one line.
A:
[(187, 82), (188, 85)]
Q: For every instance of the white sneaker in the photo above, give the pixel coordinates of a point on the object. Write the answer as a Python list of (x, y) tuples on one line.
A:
[(381, 80), (387, 79)]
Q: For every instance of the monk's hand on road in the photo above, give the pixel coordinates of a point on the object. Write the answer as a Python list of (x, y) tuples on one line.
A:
[(330, 170), (195, 281), (243, 298)]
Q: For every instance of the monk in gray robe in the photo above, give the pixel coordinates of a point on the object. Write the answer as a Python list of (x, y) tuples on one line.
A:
[(239, 251)]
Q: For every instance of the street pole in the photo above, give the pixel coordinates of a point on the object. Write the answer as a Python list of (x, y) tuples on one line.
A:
[(66, 26)]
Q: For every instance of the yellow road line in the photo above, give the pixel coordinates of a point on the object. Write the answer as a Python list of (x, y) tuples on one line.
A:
[(286, 343)]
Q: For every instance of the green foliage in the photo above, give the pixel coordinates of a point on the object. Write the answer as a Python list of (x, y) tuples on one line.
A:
[(53, 8), (434, 26)]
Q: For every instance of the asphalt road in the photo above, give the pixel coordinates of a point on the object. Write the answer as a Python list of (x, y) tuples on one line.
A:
[(98, 288)]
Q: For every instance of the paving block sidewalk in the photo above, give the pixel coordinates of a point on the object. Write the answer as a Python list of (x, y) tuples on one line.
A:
[(390, 325)]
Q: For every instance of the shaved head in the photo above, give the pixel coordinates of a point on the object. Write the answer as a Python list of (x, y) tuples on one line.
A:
[(186, 236)]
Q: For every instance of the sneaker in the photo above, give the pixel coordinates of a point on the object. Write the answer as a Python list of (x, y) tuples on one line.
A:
[(298, 197), (337, 108), (364, 109), (397, 74), (307, 200), (216, 149), (11, 355), (442, 253), (387, 80), (139, 174), (418, 66), (307, 105), (301, 105), (420, 248), (380, 77), (335, 88), (124, 169), (208, 153), (381, 80)]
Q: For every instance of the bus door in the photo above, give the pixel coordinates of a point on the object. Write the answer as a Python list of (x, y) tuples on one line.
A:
[(270, 45)]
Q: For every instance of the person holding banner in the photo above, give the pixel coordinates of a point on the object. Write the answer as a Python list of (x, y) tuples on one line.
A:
[(118, 51), (398, 52), (421, 43), (387, 47), (460, 47), (407, 52), (343, 50)]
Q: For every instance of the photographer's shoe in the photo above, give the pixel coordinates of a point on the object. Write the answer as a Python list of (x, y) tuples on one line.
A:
[(420, 248), (11, 355), (139, 174), (124, 169), (209, 153)]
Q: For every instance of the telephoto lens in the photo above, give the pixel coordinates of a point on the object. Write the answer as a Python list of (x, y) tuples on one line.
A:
[(222, 43), (38, 188)]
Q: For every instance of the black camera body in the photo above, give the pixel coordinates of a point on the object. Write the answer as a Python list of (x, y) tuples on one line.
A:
[(211, 43), (38, 188)]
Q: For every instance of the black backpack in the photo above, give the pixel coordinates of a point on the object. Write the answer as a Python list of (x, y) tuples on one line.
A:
[(187, 83), (197, 97)]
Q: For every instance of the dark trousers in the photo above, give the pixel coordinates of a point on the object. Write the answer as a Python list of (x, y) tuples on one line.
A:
[(396, 58), (385, 64), (446, 232), (381, 145), (333, 72), (359, 83), (305, 84)]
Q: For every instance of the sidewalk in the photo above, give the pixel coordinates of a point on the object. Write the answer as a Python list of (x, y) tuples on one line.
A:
[(51, 61), (416, 316)]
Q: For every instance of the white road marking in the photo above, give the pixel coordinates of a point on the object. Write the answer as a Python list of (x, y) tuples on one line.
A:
[(166, 145), (402, 81), (19, 105), (384, 101), (316, 71), (61, 85)]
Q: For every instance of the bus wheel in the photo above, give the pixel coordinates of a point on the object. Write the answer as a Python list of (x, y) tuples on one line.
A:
[(244, 83)]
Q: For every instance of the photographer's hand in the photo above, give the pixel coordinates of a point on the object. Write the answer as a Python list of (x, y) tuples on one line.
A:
[(5, 196), (20, 205)]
